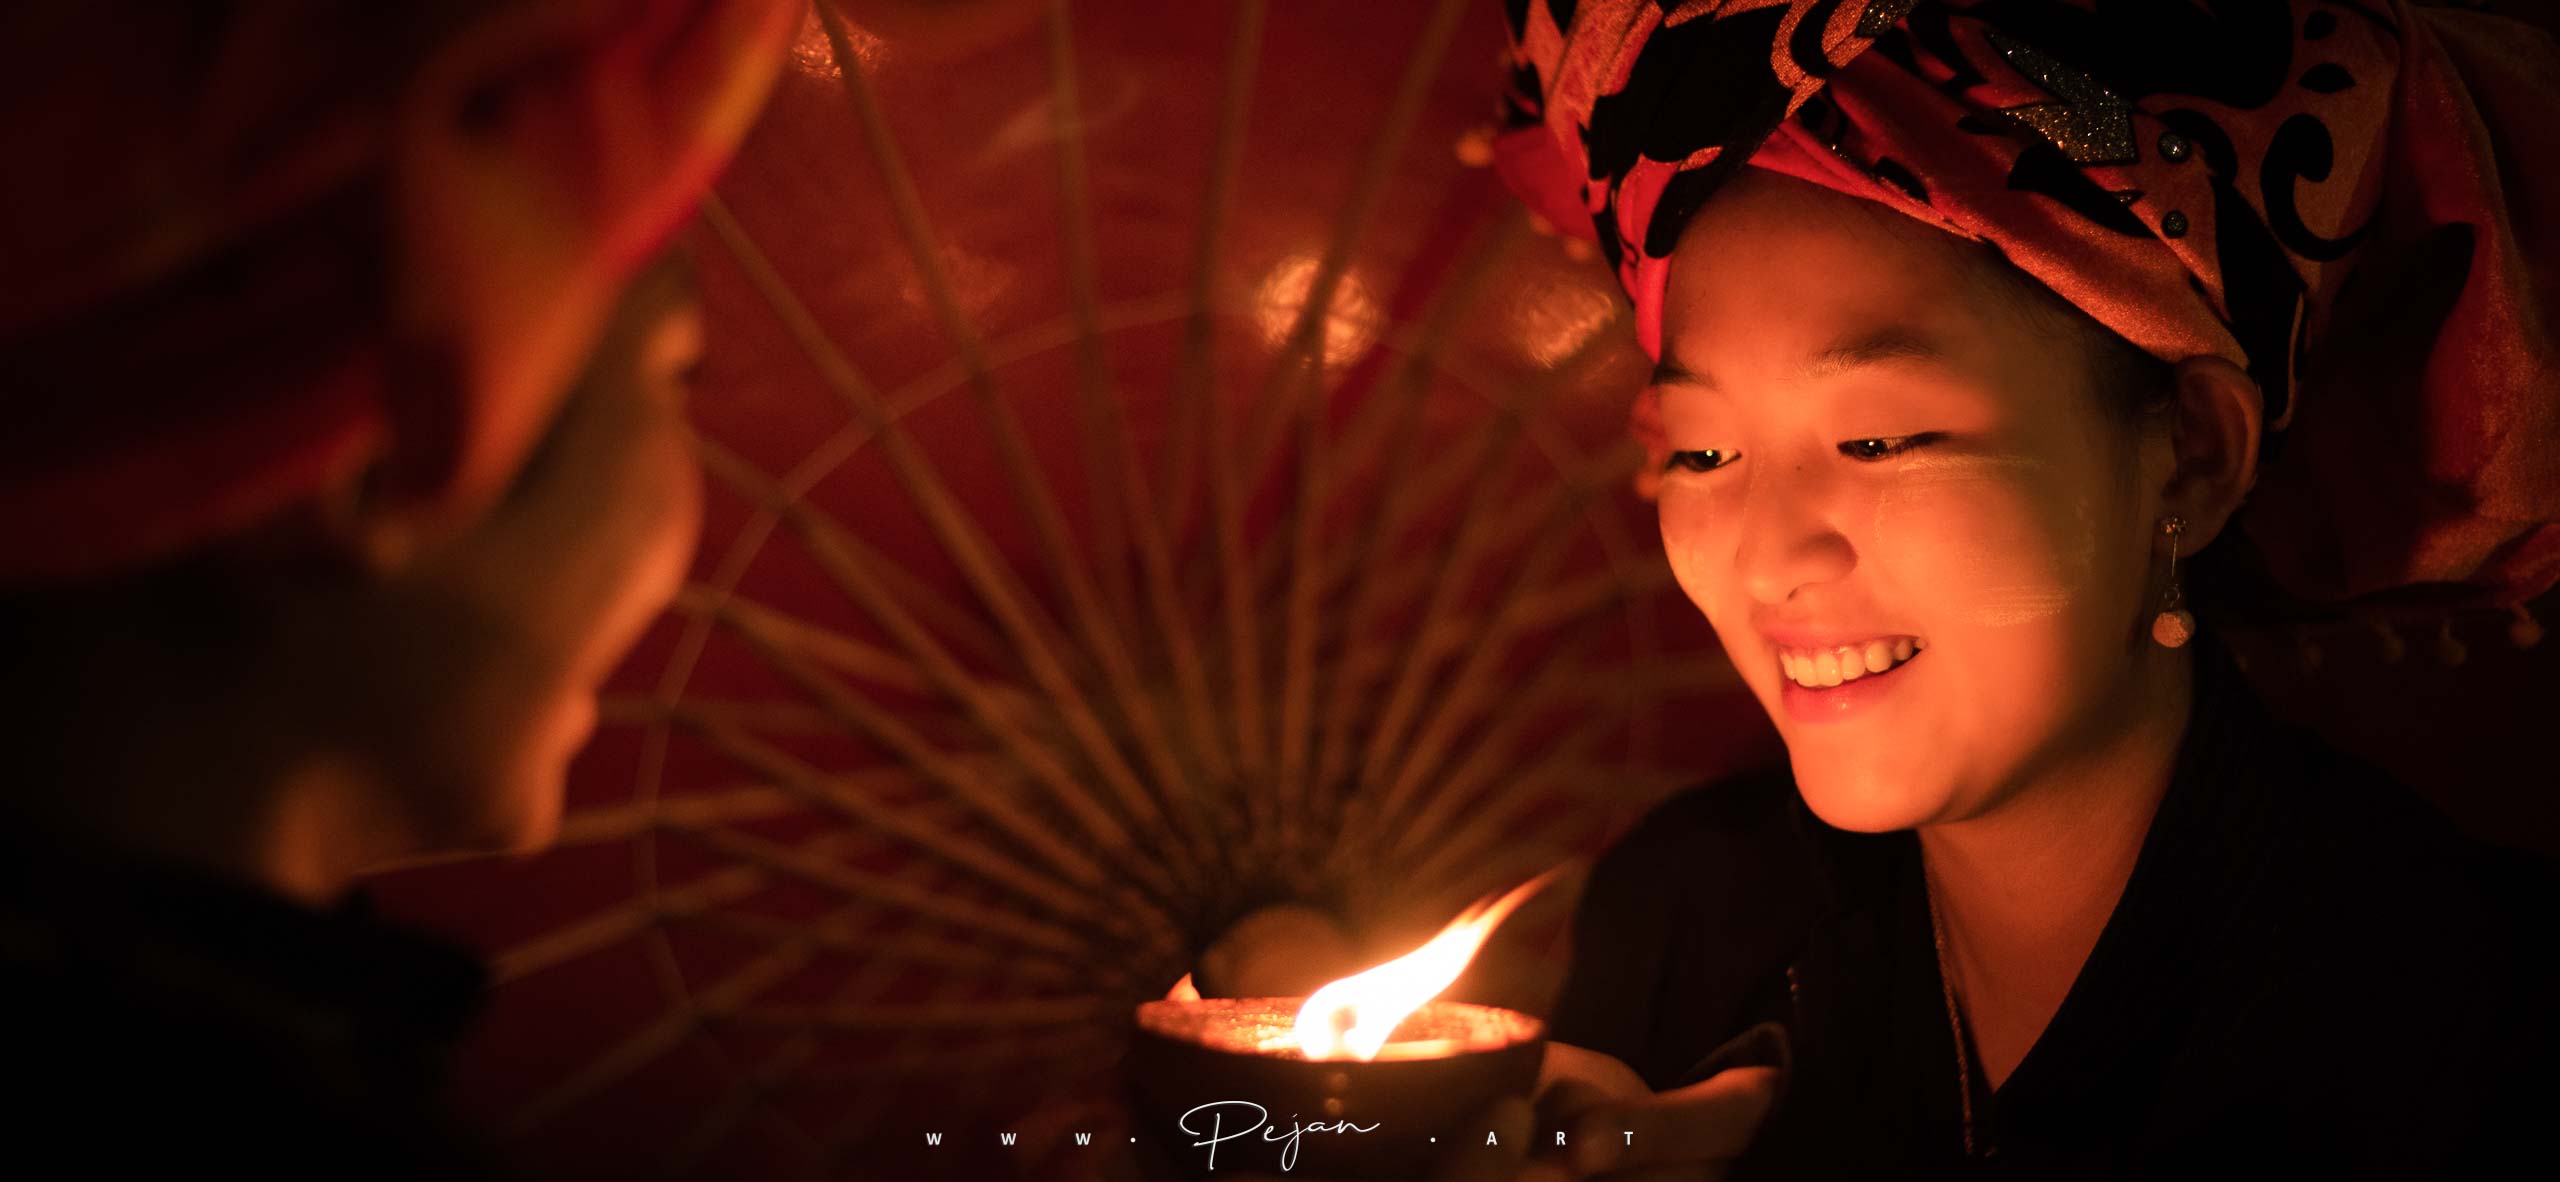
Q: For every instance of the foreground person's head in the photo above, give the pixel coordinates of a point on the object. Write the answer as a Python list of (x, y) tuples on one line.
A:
[(1883, 441), (349, 452)]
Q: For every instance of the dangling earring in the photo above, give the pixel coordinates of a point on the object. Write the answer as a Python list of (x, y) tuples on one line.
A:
[(2175, 625)]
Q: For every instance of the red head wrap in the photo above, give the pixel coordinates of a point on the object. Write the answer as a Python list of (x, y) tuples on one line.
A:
[(2353, 201), (201, 260)]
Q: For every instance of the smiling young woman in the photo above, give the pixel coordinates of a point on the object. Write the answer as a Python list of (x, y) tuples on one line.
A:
[(1977, 325)]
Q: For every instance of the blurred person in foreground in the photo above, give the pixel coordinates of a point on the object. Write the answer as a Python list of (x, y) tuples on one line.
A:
[(342, 456)]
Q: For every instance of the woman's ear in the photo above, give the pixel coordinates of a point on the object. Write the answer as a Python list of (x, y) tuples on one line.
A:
[(541, 156), (2218, 417)]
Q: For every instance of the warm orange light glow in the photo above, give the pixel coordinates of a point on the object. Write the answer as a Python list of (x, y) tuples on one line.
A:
[(1351, 1018), (1352, 319), (1555, 321), (811, 55), (1183, 990)]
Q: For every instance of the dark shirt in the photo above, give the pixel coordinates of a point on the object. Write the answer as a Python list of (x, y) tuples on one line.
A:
[(165, 1024), (2308, 970)]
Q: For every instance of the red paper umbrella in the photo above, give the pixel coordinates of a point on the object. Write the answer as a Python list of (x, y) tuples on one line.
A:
[(1156, 475)]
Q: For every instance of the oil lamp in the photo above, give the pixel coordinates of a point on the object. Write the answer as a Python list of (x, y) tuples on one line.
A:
[(1370, 1077)]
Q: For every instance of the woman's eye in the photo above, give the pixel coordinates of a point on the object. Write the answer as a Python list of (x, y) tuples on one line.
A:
[(1877, 449), (1707, 460)]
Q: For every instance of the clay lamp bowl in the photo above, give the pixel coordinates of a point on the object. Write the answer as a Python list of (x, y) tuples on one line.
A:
[(1228, 1071), (1354, 1081)]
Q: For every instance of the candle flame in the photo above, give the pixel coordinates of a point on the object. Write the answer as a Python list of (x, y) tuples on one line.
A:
[(1183, 990), (1352, 1017)]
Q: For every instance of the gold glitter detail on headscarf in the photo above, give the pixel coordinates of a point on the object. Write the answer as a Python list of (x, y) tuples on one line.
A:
[(2092, 125), (1883, 14)]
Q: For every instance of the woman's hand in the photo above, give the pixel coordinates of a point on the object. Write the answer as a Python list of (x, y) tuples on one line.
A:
[(1615, 1128)]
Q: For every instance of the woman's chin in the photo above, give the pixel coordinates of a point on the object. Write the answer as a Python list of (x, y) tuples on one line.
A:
[(1863, 799)]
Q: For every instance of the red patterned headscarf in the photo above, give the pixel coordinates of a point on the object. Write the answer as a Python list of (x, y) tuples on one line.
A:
[(2357, 202), (196, 332)]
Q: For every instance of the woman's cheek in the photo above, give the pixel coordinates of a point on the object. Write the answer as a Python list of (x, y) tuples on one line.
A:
[(1993, 539), (1688, 542)]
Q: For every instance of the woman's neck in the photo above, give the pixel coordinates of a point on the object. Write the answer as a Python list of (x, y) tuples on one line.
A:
[(2023, 890)]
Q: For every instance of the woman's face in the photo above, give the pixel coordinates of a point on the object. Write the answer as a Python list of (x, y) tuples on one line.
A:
[(491, 650), (1876, 451)]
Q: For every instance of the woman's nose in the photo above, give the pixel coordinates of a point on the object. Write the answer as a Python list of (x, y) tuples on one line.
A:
[(1787, 539)]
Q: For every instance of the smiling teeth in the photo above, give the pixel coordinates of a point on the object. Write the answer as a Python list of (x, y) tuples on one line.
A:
[(1829, 667)]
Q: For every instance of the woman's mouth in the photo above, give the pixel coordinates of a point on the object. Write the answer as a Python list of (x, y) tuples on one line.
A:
[(1826, 668), (1829, 683)]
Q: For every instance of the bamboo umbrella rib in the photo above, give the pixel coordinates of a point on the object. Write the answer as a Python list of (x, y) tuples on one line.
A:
[(889, 893), (1475, 789), (1576, 832), (748, 802), (879, 725), (822, 540), (1394, 406), (825, 545), (645, 1045), (1564, 843), (866, 986), (1370, 430), (1111, 452), (1492, 752), (902, 948), (1020, 745), (1512, 530), (789, 1066), (1298, 653), (1012, 1055), (854, 658), (1563, 678), (862, 1106), (1377, 168), (1150, 522), (1436, 636), (1442, 475), (1244, 649), (875, 975), (631, 919), (863, 1019), (1104, 429), (1358, 668), (1051, 895), (626, 920), (1475, 676), (1380, 425), (622, 822), (1475, 522), (1193, 386), (742, 1100), (1101, 635), (1596, 592), (992, 581), (942, 614), (1484, 826), (1502, 810), (1228, 491), (1476, 531), (767, 717), (1173, 625), (1301, 358)]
